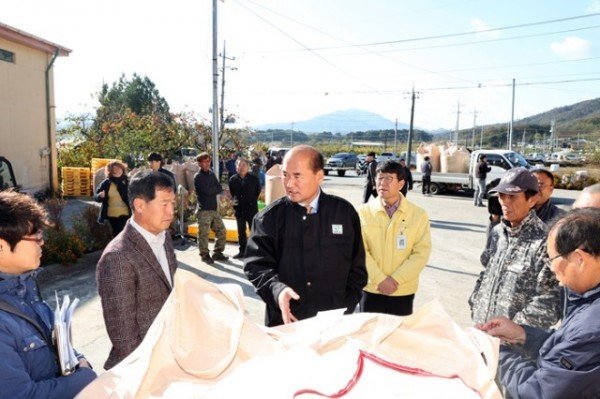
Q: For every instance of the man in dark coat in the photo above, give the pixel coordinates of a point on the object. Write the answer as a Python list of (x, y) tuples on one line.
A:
[(156, 163), (135, 272), (481, 172), (370, 186), (306, 253), (409, 179), (544, 208), (245, 189)]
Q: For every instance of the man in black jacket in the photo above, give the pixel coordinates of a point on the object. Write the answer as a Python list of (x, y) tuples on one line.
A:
[(207, 187), (306, 253), (371, 174), (245, 189), (408, 184), (480, 174)]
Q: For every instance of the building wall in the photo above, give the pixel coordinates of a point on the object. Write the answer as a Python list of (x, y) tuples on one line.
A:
[(23, 117)]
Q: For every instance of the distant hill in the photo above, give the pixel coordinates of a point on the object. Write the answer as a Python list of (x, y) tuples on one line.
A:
[(351, 120), (579, 118)]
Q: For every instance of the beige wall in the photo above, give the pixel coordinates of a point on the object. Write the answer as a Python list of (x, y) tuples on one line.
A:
[(23, 126)]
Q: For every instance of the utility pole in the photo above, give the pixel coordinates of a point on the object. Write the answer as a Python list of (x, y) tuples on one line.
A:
[(481, 139), (396, 138), (475, 112), (292, 136), (457, 123), (512, 118), (223, 87), (215, 106), (523, 141), (413, 95), (552, 135)]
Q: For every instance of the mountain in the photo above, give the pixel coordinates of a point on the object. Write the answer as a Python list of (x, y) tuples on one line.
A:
[(351, 120), (582, 117)]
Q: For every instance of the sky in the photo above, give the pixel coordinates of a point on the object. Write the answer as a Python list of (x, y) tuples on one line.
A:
[(296, 59)]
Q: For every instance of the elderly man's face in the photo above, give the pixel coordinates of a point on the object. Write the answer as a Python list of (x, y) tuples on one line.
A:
[(515, 207), (300, 181), (546, 188)]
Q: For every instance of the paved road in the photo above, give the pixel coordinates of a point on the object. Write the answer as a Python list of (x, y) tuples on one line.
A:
[(458, 236)]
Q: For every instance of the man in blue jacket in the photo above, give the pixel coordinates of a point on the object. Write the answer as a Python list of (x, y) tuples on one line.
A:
[(564, 363), (28, 361)]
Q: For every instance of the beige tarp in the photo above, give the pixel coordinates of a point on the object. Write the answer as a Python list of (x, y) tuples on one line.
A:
[(201, 345), (274, 185), (455, 159), (428, 150)]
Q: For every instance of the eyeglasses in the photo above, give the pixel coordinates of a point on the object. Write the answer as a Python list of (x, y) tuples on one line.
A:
[(552, 259), (37, 237), (386, 179)]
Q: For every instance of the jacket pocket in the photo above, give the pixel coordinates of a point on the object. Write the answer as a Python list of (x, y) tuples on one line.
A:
[(32, 343)]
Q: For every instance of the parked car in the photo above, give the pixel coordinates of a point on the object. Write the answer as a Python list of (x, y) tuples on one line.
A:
[(7, 176), (387, 156), (185, 154), (341, 162), (534, 158)]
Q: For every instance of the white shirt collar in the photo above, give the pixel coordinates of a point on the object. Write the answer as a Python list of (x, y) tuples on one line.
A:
[(314, 204), (154, 240)]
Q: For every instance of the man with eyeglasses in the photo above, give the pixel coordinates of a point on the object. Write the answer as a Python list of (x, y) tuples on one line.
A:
[(397, 243), (561, 363), (517, 282), (544, 208)]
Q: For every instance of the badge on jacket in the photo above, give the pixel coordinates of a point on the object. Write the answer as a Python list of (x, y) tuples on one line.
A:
[(337, 229)]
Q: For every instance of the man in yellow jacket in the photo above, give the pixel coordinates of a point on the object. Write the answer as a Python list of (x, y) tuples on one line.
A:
[(397, 244)]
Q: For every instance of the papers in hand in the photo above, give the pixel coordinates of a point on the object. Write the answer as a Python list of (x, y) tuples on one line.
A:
[(63, 315)]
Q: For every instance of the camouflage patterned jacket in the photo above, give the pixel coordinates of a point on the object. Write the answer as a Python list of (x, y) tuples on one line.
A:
[(517, 281)]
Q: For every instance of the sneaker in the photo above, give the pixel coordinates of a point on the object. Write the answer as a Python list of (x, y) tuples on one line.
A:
[(219, 256), (239, 255), (207, 259), (481, 205)]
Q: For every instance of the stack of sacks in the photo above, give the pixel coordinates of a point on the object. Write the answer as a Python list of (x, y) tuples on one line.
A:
[(428, 150), (455, 160), (201, 345), (179, 171), (274, 188), (190, 169)]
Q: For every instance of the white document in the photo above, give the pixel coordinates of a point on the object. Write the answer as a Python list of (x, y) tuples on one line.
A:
[(63, 315)]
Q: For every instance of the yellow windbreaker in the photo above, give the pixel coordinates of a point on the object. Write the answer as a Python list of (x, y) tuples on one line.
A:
[(398, 247)]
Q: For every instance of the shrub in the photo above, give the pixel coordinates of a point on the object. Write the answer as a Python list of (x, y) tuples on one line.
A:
[(94, 235), (62, 247)]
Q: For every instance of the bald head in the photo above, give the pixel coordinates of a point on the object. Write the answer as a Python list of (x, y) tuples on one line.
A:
[(316, 161), (589, 197)]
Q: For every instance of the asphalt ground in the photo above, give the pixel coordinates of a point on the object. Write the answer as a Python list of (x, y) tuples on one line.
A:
[(458, 231)]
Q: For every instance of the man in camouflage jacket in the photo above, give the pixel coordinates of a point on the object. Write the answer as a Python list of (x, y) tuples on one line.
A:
[(517, 281)]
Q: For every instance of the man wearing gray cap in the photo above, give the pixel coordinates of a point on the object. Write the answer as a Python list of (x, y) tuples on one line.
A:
[(517, 282)]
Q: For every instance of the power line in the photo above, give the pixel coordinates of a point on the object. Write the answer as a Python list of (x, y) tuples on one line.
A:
[(447, 35), (300, 43)]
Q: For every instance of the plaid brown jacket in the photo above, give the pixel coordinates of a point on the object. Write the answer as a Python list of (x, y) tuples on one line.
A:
[(132, 288)]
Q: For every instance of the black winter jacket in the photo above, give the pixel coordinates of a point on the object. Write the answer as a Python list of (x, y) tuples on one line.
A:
[(320, 256), (207, 187), (245, 193), (122, 186)]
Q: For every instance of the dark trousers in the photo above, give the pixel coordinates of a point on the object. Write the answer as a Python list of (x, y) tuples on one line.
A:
[(396, 305), (368, 192), (242, 222), (426, 184), (117, 224)]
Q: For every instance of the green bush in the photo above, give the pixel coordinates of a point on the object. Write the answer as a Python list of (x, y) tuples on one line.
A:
[(94, 235)]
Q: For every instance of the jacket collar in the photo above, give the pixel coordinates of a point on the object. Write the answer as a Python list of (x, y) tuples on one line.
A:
[(376, 205), (575, 300), (17, 284), (144, 251), (529, 220)]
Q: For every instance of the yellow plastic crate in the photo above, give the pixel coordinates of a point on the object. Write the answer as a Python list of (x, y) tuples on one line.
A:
[(230, 226)]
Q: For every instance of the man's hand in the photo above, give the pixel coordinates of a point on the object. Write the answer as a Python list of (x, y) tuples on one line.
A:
[(388, 286), (284, 304), (507, 330), (101, 194)]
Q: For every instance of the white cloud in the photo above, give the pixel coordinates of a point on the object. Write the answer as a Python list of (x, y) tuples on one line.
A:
[(571, 48), (479, 25), (594, 7)]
